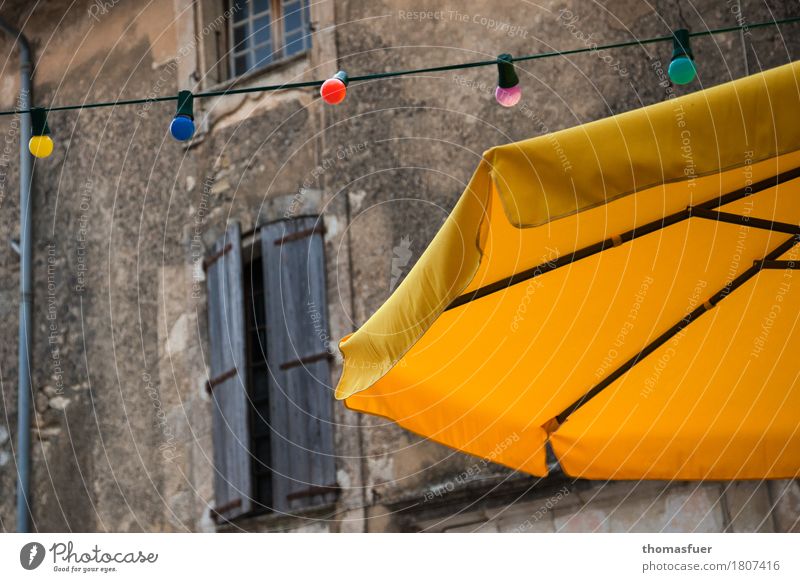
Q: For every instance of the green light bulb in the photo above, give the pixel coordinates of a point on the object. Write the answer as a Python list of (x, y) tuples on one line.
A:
[(682, 71)]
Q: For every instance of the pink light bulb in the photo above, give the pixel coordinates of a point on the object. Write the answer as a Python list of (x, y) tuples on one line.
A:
[(508, 96)]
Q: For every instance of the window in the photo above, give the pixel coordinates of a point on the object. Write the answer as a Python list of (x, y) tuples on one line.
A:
[(256, 338), (270, 370), (264, 31)]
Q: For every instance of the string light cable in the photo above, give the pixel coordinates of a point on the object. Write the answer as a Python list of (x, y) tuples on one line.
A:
[(682, 70)]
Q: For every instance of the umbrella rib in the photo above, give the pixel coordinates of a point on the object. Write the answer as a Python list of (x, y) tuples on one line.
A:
[(704, 210), (683, 323), (745, 220), (751, 189), (780, 265), (577, 255)]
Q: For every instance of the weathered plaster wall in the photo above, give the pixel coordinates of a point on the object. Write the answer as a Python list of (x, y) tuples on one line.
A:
[(100, 243), (122, 214)]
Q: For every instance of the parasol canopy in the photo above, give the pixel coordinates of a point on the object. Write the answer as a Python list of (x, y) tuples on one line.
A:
[(620, 297)]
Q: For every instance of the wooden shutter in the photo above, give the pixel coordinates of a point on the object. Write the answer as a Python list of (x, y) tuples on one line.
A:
[(304, 472), (228, 378)]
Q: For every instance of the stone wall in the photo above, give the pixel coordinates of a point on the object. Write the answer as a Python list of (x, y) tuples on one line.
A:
[(122, 215)]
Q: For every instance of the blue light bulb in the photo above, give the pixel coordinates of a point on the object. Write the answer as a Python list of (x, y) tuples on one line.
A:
[(182, 128), (682, 70)]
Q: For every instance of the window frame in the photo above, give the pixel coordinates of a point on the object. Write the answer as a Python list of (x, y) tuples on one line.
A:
[(276, 16), (275, 483)]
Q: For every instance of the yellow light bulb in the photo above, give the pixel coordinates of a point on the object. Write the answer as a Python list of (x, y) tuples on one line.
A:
[(41, 146)]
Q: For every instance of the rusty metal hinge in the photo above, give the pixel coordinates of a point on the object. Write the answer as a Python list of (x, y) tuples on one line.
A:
[(211, 259), (301, 234), (213, 382), (306, 360), (224, 508)]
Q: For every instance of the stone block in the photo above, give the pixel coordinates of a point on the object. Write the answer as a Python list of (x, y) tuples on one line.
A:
[(748, 506), (786, 497)]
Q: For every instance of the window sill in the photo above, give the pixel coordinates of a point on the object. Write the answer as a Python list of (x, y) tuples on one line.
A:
[(268, 521), (271, 68)]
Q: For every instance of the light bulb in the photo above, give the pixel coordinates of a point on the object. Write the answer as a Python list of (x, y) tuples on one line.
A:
[(682, 71), (681, 67), (182, 128), (508, 97), (182, 125), (334, 90), (41, 146), (508, 92)]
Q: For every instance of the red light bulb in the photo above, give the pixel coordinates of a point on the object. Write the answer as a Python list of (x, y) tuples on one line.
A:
[(334, 90)]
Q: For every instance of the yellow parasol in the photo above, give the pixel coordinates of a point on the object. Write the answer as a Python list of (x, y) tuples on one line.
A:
[(622, 293)]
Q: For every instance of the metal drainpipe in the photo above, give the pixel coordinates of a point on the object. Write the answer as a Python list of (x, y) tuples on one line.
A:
[(26, 297)]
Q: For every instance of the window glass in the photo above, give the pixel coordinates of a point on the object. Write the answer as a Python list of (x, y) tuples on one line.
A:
[(239, 9), (292, 16), (261, 30), (294, 43), (241, 38), (241, 64), (296, 28), (260, 6), (263, 56)]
